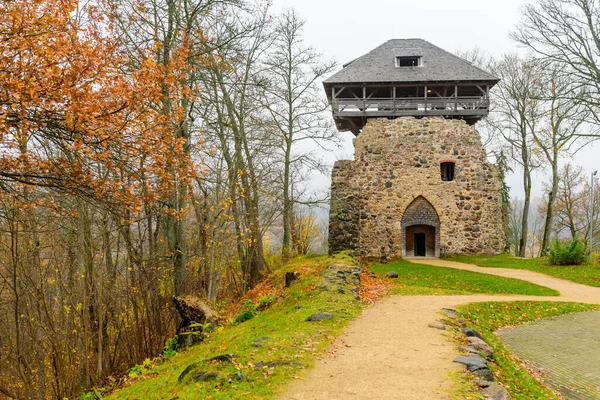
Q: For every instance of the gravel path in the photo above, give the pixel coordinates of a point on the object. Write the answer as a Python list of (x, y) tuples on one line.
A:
[(391, 353)]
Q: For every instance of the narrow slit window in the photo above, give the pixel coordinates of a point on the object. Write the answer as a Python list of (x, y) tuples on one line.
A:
[(413, 61), (447, 171)]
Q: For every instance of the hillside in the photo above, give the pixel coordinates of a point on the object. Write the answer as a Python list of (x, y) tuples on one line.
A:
[(255, 357)]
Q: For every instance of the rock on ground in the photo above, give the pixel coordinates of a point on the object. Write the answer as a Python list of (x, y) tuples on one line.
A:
[(473, 363), (495, 391), (472, 333), (481, 346), (319, 317), (484, 374), (437, 325)]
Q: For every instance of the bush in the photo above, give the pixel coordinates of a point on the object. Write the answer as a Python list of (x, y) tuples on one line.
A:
[(248, 311), (596, 260), (95, 394), (567, 253), (265, 302), (170, 348), (136, 370)]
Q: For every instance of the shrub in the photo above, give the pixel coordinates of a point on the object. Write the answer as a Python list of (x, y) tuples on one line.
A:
[(567, 253), (95, 394), (596, 260), (136, 370), (266, 301), (248, 311), (170, 348)]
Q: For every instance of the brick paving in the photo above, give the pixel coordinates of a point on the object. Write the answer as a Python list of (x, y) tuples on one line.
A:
[(566, 349)]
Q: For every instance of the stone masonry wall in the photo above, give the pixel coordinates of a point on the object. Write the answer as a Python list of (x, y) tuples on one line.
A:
[(344, 210), (396, 161)]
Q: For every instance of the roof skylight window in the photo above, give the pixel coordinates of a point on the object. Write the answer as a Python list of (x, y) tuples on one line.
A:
[(412, 61)]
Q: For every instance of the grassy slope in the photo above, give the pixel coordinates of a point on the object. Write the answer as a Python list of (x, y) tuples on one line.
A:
[(427, 279), (290, 338), (584, 274), (491, 316)]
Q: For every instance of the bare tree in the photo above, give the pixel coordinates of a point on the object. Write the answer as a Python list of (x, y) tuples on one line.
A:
[(559, 133), (567, 33), (535, 231), (235, 120), (296, 108), (514, 226), (570, 202), (518, 108)]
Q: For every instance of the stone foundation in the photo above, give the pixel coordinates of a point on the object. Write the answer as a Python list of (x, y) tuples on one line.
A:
[(394, 186)]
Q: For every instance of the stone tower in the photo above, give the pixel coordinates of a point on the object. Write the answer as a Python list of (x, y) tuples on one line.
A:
[(420, 183)]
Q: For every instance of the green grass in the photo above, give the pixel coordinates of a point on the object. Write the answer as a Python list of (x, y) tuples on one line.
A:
[(584, 274), (426, 279), (488, 317), (291, 338), (463, 387)]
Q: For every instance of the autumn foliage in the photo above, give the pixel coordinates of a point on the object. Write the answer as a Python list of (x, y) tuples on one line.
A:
[(86, 153), (134, 165), (69, 117)]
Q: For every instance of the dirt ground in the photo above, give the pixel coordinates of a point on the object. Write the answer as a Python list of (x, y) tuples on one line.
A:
[(389, 352)]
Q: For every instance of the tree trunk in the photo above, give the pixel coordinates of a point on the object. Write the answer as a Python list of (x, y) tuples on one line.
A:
[(17, 289), (287, 209), (254, 251), (176, 242), (287, 195), (526, 203), (89, 310), (550, 207)]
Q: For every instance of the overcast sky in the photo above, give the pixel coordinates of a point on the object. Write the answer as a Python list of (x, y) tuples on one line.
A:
[(345, 29)]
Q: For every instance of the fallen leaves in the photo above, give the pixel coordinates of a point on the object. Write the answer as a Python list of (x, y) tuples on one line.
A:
[(372, 287)]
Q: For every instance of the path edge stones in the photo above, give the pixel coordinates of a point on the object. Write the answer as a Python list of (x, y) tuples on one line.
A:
[(475, 357)]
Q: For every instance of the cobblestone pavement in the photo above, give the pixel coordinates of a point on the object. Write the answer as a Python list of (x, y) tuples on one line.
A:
[(566, 350)]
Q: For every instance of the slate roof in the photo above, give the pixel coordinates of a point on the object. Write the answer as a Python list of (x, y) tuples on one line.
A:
[(437, 65)]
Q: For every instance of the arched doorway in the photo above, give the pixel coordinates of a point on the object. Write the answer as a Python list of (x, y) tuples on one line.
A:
[(420, 230)]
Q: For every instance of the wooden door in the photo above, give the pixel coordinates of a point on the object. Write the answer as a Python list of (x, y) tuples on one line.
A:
[(420, 249)]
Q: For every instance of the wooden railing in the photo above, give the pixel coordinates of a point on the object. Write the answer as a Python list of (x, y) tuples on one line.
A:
[(411, 106)]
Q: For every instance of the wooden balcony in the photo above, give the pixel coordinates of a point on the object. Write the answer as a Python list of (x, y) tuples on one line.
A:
[(410, 106), (351, 113)]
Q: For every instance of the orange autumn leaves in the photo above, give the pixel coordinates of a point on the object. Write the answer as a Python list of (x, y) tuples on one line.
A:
[(71, 119), (372, 287)]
